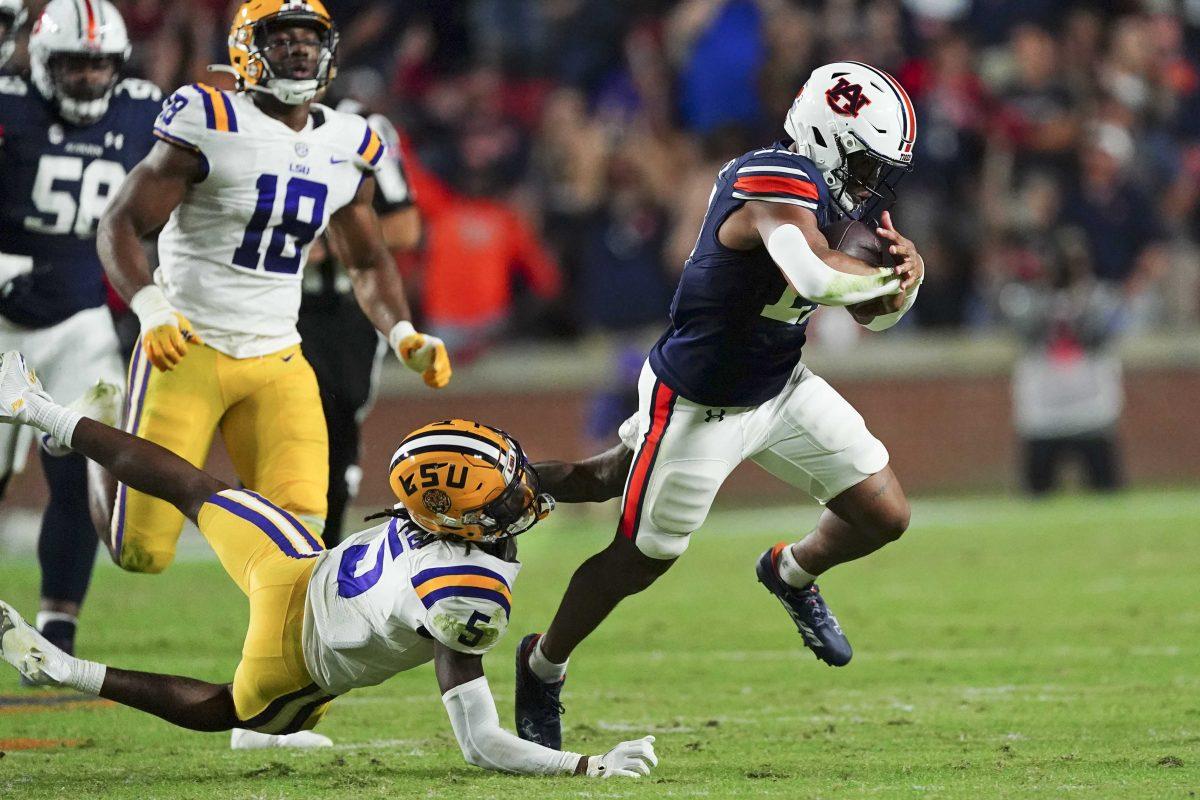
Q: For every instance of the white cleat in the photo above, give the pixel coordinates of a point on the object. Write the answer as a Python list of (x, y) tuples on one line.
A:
[(39, 662), (101, 402), (242, 739), (17, 382)]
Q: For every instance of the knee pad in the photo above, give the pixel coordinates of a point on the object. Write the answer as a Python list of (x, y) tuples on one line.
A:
[(681, 494), (677, 503), (149, 562)]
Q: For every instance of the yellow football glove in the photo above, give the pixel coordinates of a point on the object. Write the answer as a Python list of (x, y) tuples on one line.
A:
[(165, 332), (421, 353)]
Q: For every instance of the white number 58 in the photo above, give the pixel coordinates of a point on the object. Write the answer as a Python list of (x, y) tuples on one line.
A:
[(70, 197)]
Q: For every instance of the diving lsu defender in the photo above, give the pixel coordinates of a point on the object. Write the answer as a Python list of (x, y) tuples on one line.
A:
[(241, 183), (725, 383), (432, 583)]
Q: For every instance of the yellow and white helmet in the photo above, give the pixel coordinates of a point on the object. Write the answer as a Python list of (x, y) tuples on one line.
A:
[(847, 108), (462, 480), (247, 54)]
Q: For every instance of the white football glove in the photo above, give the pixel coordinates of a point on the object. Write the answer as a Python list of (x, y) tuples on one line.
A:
[(627, 760), (421, 353), (18, 384)]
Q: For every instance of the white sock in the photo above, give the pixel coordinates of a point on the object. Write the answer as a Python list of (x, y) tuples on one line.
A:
[(546, 670), (87, 676), (49, 416), (792, 573), (54, 616)]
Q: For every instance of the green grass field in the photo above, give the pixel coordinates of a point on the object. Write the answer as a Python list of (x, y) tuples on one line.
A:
[(1003, 649)]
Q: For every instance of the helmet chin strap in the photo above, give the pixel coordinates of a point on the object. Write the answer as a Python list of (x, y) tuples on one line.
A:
[(286, 90)]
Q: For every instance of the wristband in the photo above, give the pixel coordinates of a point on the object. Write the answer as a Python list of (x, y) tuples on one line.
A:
[(152, 307), (399, 331)]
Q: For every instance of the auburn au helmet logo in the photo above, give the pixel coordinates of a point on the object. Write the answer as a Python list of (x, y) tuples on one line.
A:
[(846, 98)]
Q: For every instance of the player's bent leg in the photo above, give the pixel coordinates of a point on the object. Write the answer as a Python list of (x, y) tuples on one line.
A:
[(186, 702), (596, 588), (856, 523), (662, 506), (177, 410), (276, 435), (270, 555), (817, 442)]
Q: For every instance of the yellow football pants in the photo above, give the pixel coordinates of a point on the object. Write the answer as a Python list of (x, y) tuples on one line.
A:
[(268, 410), (270, 555)]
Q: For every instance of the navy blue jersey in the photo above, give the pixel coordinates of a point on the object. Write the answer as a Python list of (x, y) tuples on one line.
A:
[(55, 181), (737, 327)]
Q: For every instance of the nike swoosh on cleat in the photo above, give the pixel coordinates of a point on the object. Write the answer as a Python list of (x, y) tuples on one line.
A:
[(333, 160), (289, 357)]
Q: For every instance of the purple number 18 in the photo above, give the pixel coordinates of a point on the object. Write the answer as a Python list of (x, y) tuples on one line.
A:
[(301, 231)]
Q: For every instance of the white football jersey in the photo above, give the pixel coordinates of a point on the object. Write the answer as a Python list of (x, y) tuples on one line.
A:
[(378, 601), (232, 254)]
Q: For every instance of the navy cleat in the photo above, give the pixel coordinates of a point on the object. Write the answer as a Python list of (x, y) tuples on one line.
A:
[(817, 625), (538, 710)]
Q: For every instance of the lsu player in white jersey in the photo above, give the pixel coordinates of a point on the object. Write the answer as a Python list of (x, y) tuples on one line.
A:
[(241, 183), (432, 583)]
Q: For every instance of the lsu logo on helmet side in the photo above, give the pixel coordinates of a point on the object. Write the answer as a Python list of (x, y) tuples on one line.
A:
[(846, 98)]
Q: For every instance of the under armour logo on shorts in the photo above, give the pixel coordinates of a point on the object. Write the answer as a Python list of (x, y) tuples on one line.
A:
[(710, 415)]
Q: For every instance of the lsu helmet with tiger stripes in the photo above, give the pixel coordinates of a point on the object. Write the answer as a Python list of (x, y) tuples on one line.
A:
[(848, 107), (247, 50), (87, 28), (462, 480)]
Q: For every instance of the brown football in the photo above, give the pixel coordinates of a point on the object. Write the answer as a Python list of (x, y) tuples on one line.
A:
[(856, 239), (860, 241)]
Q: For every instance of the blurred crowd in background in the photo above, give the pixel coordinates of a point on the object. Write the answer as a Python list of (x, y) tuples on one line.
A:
[(562, 151)]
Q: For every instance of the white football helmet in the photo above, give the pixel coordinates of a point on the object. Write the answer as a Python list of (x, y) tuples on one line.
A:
[(12, 14), (90, 28), (846, 108)]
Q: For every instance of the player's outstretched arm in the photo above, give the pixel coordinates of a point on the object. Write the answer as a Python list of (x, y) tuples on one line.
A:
[(358, 242), (485, 744), (138, 463), (593, 480), (142, 205)]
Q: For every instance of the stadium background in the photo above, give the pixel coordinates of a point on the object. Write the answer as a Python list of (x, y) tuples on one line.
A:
[(1005, 648), (562, 152)]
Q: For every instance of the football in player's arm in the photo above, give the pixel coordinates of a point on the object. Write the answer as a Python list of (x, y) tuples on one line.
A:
[(451, 589)]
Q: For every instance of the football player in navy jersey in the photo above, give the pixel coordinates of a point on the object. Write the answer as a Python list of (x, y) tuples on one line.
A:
[(70, 132), (726, 383)]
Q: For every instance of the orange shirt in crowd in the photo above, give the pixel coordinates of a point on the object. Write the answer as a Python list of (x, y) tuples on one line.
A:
[(474, 249)]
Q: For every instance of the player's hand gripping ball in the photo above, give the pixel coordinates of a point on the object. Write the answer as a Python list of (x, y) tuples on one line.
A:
[(858, 240)]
